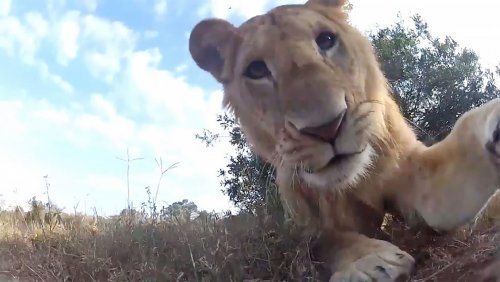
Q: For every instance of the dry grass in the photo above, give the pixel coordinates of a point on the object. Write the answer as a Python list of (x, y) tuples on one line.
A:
[(207, 248)]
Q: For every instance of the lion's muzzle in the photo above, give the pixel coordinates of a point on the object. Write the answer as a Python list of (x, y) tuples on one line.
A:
[(327, 132)]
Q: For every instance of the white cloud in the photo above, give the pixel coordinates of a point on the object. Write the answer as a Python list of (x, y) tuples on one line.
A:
[(150, 34), (22, 170), (5, 7), (21, 180), (181, 68), (23, 39), (54, 78), (114, 128), (107, 44), (11, 111), (225, 8), (37, 24), (58, 117), (55, 7), (90, 5), (67, 33), (161, 95), (160, 7), (106, 182), (37, 129), (103, 65)]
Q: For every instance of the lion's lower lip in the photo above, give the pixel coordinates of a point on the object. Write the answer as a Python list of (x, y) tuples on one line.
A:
[(338, 158), (342, 157), (335, 161)]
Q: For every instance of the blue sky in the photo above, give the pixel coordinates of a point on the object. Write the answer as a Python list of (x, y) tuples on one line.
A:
[(81, 81)]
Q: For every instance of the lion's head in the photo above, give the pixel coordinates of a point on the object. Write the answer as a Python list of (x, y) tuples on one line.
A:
[(305, 87)]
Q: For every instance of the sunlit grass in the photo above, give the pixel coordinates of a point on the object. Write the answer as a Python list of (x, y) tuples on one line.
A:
[(151, 244)]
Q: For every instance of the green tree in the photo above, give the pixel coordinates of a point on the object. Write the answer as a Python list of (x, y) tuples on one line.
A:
[(182, 211), (247, 179), (433, 80)]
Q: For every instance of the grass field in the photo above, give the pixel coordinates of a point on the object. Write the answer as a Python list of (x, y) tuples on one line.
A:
[(43, 245)]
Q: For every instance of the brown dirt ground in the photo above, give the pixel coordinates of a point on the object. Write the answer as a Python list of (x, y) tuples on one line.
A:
[(460, 257)]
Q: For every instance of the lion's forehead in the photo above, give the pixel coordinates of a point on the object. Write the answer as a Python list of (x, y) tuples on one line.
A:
[(279, 33), (271, 16), (286, 21)]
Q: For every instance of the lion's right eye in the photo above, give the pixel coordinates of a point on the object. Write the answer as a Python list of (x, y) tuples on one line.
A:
[(326, 40), (257, 70)]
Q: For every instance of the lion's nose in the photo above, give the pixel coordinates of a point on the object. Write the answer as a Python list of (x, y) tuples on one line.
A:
[(327, 132)]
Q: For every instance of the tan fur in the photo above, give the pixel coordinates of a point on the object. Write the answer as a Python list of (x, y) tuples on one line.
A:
[(388, 169)]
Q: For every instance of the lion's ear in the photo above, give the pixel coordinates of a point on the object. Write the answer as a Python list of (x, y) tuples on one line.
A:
[(332, 3), (210, 45)]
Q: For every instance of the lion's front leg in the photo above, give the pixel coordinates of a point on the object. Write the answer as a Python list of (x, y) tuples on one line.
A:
[(357, 258), (453, 179)]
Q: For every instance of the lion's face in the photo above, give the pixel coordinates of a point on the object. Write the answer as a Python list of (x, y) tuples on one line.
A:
[(304, 85)]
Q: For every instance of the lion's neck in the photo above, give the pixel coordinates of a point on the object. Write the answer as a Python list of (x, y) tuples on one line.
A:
[(401, 141)]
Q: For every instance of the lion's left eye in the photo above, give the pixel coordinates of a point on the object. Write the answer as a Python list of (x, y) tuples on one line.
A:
[(257, 70), (326, 40)]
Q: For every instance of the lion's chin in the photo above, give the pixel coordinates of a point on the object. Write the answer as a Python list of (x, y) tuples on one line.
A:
[(341, 172)]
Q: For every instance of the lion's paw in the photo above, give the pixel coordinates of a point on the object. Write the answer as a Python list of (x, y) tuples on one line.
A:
[(492, 143), (391, 265)]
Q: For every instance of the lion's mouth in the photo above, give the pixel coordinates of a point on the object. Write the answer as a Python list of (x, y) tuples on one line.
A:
[(339, 159)]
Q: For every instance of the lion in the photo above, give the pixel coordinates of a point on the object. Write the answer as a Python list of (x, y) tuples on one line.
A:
[(311, 99)]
